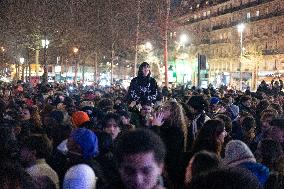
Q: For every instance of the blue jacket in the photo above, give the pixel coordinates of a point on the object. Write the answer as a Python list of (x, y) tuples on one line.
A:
[(259, 170)]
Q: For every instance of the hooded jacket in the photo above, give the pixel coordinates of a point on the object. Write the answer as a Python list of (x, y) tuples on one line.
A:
[(143, 88), (259, 170)]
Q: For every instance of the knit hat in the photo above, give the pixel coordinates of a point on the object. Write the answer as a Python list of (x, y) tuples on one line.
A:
[(197, 102), (87, 140), (80, 176), (237, 152), (79, 118), (214, 100)]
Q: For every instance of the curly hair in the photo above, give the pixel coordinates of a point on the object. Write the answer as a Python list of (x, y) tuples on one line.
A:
[(178, 118), (35, 116)]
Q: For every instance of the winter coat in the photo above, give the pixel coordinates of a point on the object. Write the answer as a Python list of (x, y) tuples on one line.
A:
[(143, 89), (173, 138), (195, 127), (260, 171)]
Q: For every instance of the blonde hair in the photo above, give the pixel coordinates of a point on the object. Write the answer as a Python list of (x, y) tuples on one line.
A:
[(178, 118), (35, 116)]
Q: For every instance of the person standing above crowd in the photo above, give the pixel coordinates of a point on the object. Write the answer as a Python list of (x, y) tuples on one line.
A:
[(143, 87)]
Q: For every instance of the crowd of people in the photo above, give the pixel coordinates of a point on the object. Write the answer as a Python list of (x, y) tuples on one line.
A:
[(73, 137)]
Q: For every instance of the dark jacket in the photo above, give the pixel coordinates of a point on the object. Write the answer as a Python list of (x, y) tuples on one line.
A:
[(260, 171), (173, 138), (143, 89), (195, 126), (276, 88), (249, 110)]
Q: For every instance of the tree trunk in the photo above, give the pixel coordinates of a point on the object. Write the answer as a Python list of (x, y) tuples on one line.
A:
[(166, 42), (23, 72), (36, 60), (83, 72), (111, 65), (137, 36), (76, 71), (96, 67)]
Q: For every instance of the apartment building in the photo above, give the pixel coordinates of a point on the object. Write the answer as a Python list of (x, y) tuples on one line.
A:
[(254, 53)]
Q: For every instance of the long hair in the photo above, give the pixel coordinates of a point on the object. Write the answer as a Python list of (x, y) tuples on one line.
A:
[(178, 118), (207, 137), (35, 116)]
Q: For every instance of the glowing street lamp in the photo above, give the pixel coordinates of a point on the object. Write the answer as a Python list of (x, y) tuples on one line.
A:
[(22, 60), (148, 46), (75, 50), (44, 43), (183, 39), (241, 28)]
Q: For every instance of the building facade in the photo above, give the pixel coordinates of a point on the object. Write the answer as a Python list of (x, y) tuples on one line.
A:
[(256, 53)]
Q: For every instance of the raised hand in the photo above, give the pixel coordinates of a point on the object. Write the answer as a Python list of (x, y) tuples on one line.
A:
[(158, 119)]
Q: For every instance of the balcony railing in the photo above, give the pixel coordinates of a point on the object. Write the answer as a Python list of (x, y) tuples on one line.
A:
[(205, 41), (220, 41), (253, 19), (229, 10), (273, 51)]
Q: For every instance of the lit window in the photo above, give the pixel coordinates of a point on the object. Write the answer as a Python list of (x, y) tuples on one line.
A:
[(194, 16), (204, 14), (197, 6), (248, 15), (208, 13), (257, 13)]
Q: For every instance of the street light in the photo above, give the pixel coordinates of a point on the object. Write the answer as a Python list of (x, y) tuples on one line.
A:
[(148, 46), (75, 50), (183, 39), (241, 28), (45, 44), (22, 60)]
